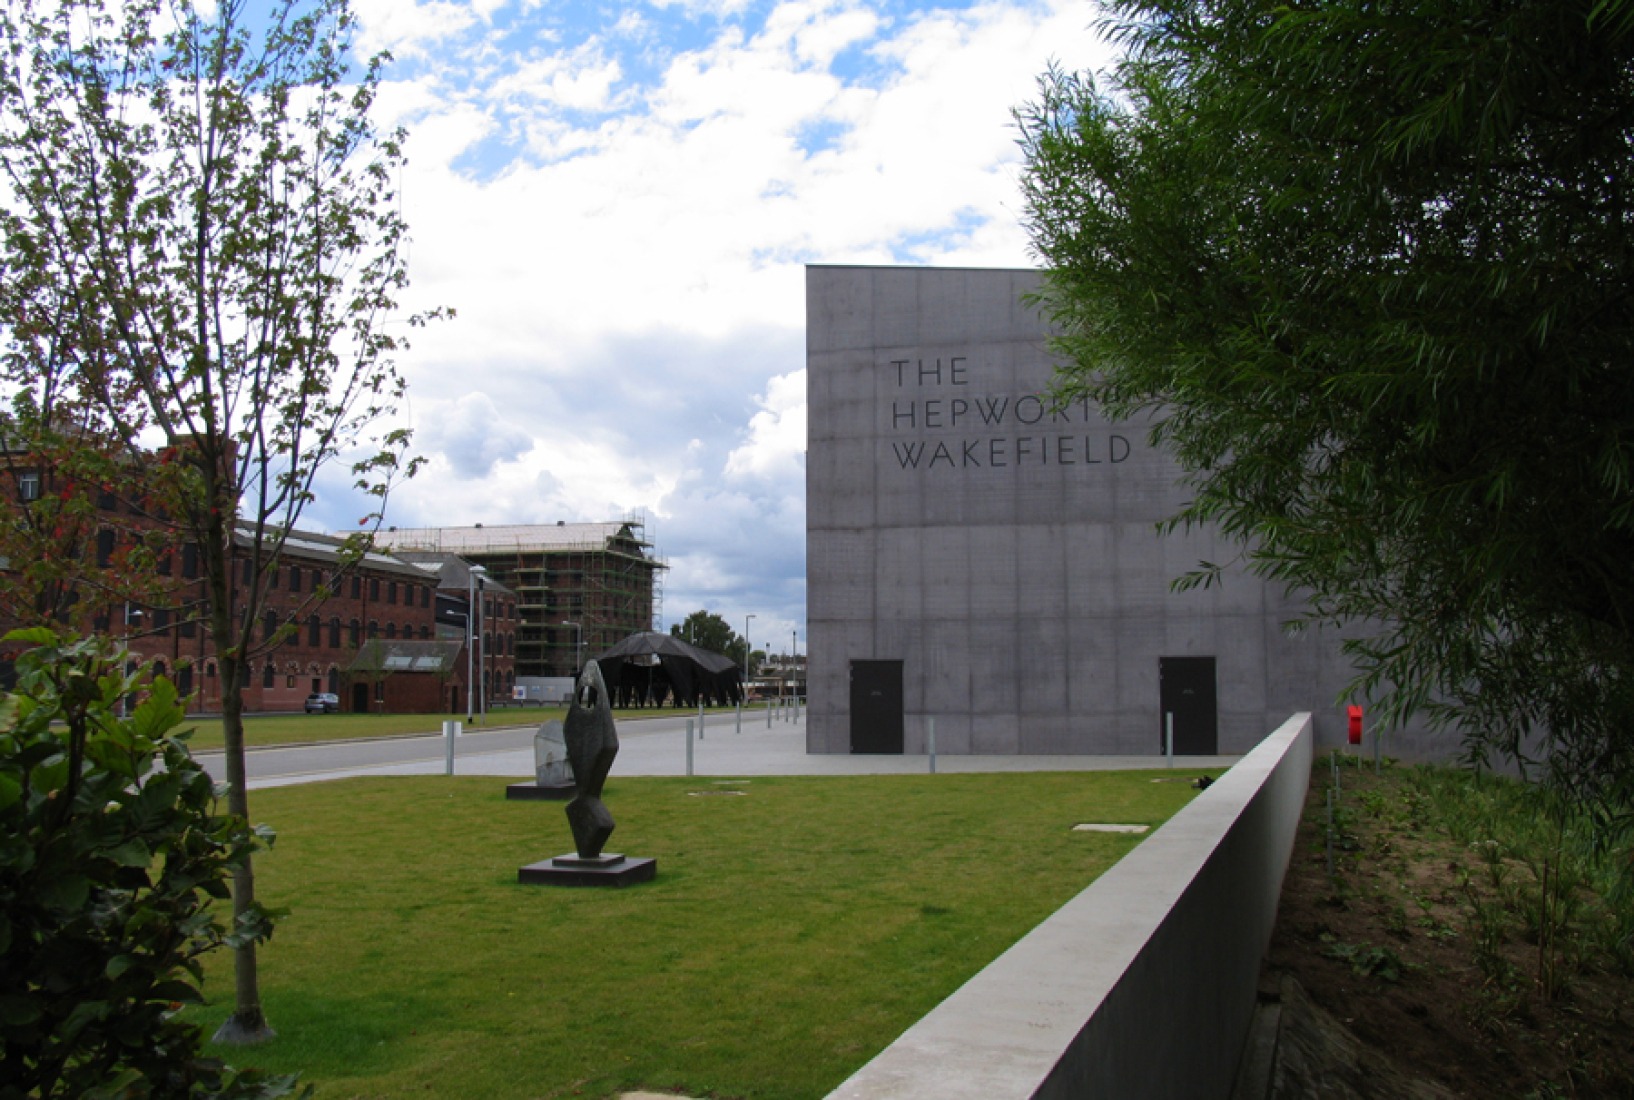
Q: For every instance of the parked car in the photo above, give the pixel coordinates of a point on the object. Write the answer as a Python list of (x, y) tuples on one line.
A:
[(322, 702)]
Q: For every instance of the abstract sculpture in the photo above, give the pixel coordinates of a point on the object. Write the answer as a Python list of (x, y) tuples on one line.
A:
[(592, 743), (550, 766)]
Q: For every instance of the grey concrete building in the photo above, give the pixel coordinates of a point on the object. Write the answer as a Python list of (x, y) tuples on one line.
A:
[(976, 557)]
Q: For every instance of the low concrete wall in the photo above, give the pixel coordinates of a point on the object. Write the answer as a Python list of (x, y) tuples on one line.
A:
[(1143, 985)]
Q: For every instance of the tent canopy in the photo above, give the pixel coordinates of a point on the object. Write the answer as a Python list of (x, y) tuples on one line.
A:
[(646, 666)]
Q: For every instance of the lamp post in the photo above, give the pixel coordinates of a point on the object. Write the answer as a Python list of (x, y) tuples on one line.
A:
[(748, 654), (472, 580), (130, 613), (466, 616), (578, 645)]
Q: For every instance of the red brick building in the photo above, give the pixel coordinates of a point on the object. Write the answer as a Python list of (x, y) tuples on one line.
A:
[(381, 633), (379, 598), (493, 659)]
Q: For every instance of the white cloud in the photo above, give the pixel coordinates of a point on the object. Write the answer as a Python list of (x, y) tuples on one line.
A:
[(621, 215), (580, 80), (471, 435), (409, 28), (777, 433)]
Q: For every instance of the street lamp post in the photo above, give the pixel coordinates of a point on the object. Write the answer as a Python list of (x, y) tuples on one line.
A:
[(130, 613), (578, 646), (472, 582)]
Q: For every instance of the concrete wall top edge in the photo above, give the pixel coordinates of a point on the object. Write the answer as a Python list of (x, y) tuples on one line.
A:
[(1004, 1031), (921, 268)]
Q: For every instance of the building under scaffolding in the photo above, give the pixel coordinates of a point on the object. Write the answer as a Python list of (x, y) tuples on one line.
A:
[(581, 587)]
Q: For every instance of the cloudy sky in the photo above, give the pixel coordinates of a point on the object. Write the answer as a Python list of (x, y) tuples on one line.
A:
[(619, 200)]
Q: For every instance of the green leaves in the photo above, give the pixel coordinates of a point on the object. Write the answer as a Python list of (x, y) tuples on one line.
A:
[(1367, 268), (109, 868)]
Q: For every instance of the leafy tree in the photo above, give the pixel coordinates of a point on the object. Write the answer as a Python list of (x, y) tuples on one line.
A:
[(709, 631), (1369, 272), (63, 554), (202, 229), (114, 852)]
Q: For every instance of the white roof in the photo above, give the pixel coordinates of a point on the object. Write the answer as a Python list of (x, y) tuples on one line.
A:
[(528, 536)]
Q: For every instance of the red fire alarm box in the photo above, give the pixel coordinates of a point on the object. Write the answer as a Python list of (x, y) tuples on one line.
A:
[(1355, 714)]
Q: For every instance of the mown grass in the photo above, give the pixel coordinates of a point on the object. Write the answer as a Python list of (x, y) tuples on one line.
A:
[(262, 730), (793, 930)]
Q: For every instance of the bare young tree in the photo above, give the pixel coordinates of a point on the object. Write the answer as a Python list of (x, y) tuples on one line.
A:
[(203, 243)]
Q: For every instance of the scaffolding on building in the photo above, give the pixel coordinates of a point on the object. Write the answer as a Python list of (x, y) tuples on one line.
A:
[(580, 587)]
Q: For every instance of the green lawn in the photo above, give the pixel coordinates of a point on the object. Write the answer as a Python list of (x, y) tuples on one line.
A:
[(289, 729), (792, 932)]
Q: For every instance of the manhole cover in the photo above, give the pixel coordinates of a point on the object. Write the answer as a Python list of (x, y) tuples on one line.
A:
[(701, 794), (1110, 828)]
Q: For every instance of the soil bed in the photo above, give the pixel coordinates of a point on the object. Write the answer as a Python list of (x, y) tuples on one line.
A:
[(1423, 947)]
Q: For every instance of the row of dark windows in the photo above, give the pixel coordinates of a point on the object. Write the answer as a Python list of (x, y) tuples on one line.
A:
[(294, 577), (506, 645), (504, 679), (354, 630)]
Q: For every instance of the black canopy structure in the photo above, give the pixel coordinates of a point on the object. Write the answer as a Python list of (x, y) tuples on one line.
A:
[(644, 668)]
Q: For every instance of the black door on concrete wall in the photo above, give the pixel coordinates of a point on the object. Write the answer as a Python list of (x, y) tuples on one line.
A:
[(360, 698), (1187, 692), (876, 706)]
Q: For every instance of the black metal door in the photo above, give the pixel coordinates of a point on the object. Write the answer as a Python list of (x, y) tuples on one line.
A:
[(1187, 692), (876, 707)]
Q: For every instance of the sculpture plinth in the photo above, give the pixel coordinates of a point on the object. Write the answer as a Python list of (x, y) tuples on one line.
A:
[(592, 743)]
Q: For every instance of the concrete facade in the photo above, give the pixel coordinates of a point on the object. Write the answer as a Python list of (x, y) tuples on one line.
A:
[(1007, 554)]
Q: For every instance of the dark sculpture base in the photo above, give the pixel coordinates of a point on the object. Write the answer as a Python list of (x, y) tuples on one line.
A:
[(533, 792), (608, 869)]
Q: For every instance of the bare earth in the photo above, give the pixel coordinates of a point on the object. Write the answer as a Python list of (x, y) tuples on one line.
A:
[(1373, 984)]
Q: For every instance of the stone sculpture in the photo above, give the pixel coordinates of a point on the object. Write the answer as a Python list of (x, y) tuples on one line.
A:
[(592, 743), (550, 766)]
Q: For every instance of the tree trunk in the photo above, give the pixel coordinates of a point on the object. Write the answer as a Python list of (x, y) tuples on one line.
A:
[(247, 1023)]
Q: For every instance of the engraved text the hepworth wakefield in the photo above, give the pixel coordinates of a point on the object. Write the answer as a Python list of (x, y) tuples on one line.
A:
[(940, 423)]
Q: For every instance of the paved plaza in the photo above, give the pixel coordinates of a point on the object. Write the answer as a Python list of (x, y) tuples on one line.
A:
[(647, 746)]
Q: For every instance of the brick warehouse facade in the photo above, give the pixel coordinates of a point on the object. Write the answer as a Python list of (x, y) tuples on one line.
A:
[(374, 641), (496, 625), (379, 598)]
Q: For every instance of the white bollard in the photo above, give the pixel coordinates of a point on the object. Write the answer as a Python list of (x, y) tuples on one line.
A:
[(450, 731), (931, 738), (700, 720), (739, 727), (1168, 736), (768, 714), (689, 746)]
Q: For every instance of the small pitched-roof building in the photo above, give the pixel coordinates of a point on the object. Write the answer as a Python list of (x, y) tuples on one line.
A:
[(406, 677)]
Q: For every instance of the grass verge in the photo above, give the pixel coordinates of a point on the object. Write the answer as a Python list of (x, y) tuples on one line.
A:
[(797, 925)]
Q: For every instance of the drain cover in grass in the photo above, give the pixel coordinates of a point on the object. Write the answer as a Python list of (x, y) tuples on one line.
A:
[(1110, 828), (700, 794)]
